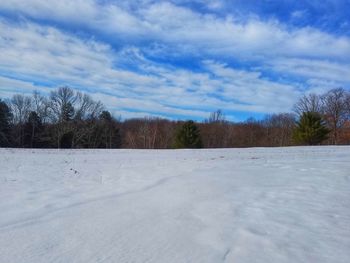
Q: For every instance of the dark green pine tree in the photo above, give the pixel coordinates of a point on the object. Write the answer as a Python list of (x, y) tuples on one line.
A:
[(32, 130), (310, 129), (5, 129), (67, 112), (109, 133), (188, 136)]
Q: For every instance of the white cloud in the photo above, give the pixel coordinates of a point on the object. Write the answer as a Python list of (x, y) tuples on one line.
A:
[(298, 14), (39, 54), (11, 86), (309, 68), (175, 25), (253, 91), (126, 79)]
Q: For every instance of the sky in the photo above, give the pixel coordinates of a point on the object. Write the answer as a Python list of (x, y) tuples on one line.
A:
[(177, 59)]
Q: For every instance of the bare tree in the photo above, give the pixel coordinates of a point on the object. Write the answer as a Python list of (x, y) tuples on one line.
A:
[(86, 107), (21, 106), (216, 117), (62, 103), (308, 103), (335, 110), (61, 109), (279, 129), (40, 106), (96, 109), (215, 131), (148, 133), (348, 104)]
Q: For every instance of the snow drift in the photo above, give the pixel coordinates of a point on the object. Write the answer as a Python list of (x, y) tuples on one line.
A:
[(230, 205)]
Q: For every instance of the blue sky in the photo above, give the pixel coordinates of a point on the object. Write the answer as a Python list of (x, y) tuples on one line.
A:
[(177, 59)]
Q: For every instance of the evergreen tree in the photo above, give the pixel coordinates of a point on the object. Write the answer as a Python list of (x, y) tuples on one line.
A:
[(32, 130), (67, 112), (188, 136), (310, 129), (66, 140), (109, 133), (5, 129)]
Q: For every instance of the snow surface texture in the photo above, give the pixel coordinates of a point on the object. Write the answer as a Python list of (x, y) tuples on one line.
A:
[(237, 205)]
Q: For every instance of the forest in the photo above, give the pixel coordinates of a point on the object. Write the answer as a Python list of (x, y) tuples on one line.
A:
[(71, 119)]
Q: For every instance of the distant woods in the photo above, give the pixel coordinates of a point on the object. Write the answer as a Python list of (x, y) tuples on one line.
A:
[(70, 119), (64, 119)]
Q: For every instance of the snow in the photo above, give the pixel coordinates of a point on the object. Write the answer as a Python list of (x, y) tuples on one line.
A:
[(230, 205)]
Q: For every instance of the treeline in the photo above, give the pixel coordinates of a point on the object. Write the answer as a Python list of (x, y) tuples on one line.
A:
[(70, 119), (65, 119)]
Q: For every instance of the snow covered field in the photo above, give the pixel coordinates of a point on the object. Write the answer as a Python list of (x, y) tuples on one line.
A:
[(237, 205)]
